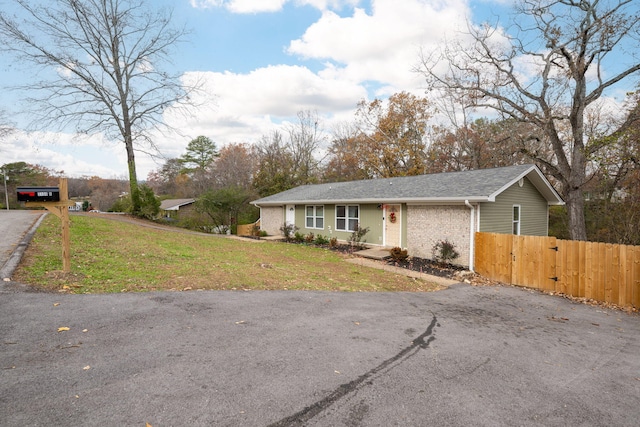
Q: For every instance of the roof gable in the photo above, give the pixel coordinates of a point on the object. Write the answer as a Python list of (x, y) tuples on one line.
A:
[(481, 185), (174, 204)]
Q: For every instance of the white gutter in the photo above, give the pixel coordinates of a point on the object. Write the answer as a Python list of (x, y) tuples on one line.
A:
[(472, 237)]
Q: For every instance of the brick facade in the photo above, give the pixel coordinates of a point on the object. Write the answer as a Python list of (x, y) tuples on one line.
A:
[(427, 225), (271, 219)]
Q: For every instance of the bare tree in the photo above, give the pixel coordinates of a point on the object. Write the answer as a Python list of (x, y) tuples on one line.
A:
[(306, 139), (344, 162), (5, 126), (100, 60), (236, 166), (575, 50), (284, 163), (275, 172)]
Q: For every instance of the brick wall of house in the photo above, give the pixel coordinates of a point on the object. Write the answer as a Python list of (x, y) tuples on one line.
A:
[(427, 225), (271, 219)]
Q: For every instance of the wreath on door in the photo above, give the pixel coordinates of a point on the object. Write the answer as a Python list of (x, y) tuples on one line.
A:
[(392, 217)]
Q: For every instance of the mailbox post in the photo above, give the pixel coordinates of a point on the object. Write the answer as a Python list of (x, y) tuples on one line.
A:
[(55, 200)]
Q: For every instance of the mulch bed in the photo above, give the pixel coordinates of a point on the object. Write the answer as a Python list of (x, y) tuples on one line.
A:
[(428, 266), (420, 265)]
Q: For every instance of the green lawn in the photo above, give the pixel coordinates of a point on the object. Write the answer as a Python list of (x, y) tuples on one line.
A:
[(115, 256)]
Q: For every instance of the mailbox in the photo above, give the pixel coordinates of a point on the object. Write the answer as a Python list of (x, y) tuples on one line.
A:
[(38, 194)]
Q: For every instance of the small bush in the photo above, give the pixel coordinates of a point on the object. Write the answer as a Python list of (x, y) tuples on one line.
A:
[(309, 238), (444, 251), (356, 237), (288, 231), (298, 237), (398, 254), (321, 240), (263, 233), (333, 242)]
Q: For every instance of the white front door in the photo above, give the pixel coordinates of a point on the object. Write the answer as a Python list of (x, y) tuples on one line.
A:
[(392, 225), (290, 214)]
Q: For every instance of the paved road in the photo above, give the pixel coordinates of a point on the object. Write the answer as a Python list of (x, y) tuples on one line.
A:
[(14, 226), (464, 356)]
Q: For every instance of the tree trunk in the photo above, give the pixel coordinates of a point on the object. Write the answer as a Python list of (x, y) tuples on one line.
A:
[(133, 178), (575, 211)]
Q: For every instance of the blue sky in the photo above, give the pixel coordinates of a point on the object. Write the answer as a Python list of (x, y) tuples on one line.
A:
[(263, 61)]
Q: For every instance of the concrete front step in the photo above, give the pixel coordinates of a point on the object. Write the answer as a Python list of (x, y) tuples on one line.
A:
[(374, 253)]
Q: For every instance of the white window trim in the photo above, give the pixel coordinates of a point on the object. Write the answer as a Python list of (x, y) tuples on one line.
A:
[(346, 217), (519, 221), (315, 217)]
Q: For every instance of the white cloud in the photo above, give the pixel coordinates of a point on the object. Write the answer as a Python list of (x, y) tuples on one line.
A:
[(76, 156), (241, 6), (261, 6), (255, 6), (381, 46), (330, 4), (205, 4), (244, 107)]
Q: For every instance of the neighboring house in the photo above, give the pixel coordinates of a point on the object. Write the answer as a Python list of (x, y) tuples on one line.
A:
[(171, 207), (76, 208), (416, 212)]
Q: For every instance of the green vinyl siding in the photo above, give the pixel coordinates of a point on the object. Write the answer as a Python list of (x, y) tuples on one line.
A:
[(370, 216), (497, 217)]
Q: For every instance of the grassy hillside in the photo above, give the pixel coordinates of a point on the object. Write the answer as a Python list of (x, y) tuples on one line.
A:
[(115, 256)]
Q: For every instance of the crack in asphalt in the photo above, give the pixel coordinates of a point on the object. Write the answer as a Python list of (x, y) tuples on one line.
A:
[(299, 418)]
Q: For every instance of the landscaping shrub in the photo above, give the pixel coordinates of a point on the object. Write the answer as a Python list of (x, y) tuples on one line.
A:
[(398, 254), (321, 240), (298, 237), (288, 231), (444, 251), (356, 237), (333, 242), (309, 238)]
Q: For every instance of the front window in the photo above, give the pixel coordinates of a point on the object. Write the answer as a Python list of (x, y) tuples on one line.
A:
[(347, 217), (516, 220), (315, 217)]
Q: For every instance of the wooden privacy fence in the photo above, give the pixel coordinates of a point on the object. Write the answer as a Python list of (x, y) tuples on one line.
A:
[(600, 271), (247, 229)]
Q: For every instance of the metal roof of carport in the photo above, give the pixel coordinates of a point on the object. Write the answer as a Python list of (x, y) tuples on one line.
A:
[(482, 185)]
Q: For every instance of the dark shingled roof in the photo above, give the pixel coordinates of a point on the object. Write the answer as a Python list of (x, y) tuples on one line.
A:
[(475, 186)]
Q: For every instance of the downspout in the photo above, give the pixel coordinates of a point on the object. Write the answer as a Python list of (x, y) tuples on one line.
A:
[(472, 236)]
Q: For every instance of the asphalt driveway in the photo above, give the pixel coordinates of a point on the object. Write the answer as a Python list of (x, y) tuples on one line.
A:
[(14, 229), (464, 356)]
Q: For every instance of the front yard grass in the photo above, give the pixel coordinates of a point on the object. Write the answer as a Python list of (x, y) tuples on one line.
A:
[(113, 256)]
